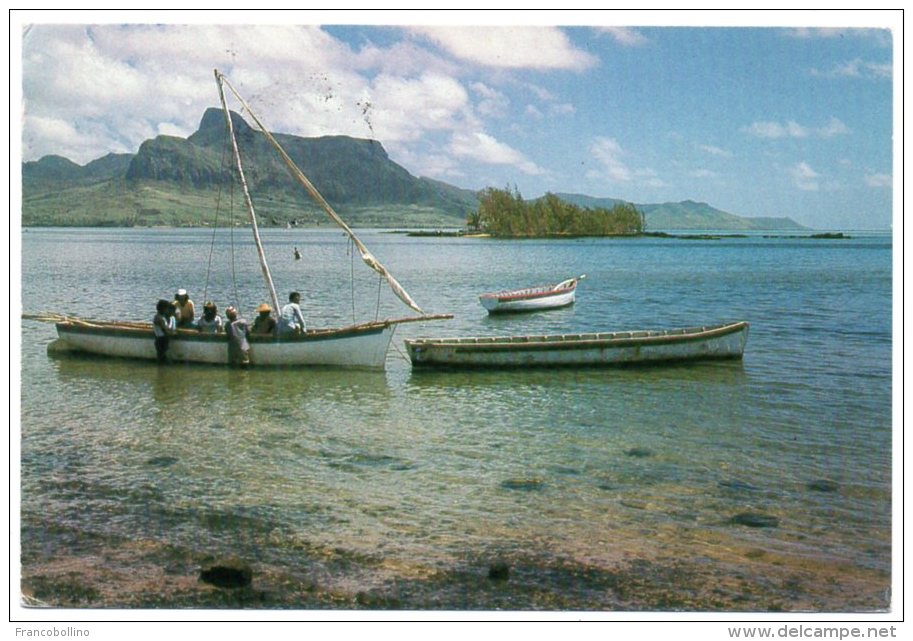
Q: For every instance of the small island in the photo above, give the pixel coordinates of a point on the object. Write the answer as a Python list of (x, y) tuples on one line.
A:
[(504, 214)]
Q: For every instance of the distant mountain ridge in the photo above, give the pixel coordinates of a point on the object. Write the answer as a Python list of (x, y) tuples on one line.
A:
[(689, 215), (176, 181)]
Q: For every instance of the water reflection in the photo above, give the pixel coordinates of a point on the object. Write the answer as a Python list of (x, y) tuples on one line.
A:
[(709, 373)]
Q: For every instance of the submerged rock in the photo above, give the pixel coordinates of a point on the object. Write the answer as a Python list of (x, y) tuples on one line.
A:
[(738, 485), (499, 571), (823, 485), (755, 519), (523, 484), (639, 452), (226, 573), (162, 461)]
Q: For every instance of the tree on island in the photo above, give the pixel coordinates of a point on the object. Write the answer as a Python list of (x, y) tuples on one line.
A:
[(504, 213)]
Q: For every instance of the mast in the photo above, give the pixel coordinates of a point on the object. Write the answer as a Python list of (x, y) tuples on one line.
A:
[(250, 205), (366, 255)]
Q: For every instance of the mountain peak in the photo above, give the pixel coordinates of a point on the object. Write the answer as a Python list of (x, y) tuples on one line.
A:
[(212, 127)]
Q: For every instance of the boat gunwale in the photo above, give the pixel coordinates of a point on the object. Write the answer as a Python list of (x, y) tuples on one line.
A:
[(528, 293), (112, 329), (576, 341)]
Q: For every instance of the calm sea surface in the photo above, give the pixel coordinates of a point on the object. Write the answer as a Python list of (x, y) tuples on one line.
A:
[(369, 482)]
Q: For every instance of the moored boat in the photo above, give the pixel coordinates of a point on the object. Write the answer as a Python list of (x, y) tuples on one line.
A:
[(532, 298), (358, 345), (361, 346), (725, 341)]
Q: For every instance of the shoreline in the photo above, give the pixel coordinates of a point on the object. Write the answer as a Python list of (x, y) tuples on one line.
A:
[(70, 569), (683, 234)]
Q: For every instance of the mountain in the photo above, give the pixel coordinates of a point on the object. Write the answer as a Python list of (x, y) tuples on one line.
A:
[(178, 181), (689, 215)]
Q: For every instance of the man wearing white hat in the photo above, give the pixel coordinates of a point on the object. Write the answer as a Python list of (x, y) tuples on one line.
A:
[(184, 307)]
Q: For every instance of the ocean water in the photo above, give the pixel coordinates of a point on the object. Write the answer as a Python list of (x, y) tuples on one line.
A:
[(599, 489)]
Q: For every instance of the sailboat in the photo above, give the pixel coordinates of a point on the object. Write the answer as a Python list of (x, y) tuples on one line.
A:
[(362, 345)]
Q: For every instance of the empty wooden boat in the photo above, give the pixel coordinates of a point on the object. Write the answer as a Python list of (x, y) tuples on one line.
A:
[(725, 341)]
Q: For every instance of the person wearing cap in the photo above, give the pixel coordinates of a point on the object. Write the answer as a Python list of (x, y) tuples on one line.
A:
[(291, 319), (184, 307), (264, 323), (237, 330), (211, 323)]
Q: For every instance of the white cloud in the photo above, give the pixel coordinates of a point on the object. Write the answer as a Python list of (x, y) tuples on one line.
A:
[(834, 128), (110, 87), (715, 151), (879, 180), (703, 173), (804, 177), (533, 112), (792, 129), (402, 58), (543, 94), (405, 108), (766, 129), (881, 37), (610, 156), (514, 47), (482, 147), (625, 36), (493, 102), (858, 68), (563, 108)]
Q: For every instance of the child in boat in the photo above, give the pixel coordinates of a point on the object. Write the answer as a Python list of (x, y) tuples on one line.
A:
[(211, 323)]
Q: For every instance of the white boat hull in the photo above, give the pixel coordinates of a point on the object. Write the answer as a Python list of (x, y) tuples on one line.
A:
[(610, 348), (531, 299), (496, 305), (361, 346)]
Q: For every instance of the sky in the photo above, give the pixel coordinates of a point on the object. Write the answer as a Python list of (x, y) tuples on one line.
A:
[(749, 116)]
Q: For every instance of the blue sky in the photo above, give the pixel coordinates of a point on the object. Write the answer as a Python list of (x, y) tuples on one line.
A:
[(757, 121)]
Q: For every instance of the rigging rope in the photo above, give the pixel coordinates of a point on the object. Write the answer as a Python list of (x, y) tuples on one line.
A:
[(215, 224), (366, 255), (377, 309), (350, 250), (231, 236)]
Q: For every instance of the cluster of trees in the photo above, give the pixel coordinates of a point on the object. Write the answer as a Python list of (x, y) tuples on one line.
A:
[(504, 213)]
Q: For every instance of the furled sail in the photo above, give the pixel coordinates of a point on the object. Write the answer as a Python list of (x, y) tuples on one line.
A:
[(366, 255)]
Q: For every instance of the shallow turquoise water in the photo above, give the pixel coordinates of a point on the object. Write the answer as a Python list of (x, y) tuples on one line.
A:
[(432, 468)]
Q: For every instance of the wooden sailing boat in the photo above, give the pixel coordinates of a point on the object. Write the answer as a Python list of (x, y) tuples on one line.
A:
[(359, 345)]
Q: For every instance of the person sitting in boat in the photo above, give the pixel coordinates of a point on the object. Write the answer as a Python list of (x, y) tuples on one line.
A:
[(163, 326), (237, 330), (291, 320), (211, 323), (185, 311), (264, 323)]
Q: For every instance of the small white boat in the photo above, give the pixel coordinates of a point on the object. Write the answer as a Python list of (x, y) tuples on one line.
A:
[(725, 341), (532, 298)]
